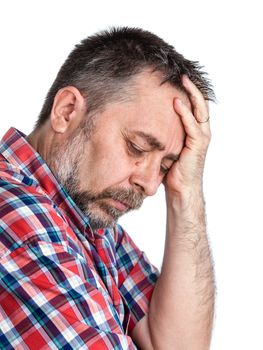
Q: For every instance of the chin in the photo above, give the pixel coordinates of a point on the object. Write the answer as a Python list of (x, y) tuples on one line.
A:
[(99, 219)]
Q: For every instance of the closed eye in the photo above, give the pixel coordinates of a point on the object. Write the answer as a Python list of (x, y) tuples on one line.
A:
[(164, 170), (137, 151), (134, 149)]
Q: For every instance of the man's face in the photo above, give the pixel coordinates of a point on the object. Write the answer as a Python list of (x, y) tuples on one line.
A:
[(127, 156)]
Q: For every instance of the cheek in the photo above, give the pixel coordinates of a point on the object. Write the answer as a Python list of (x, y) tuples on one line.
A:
[(105, 167), (116, 165)]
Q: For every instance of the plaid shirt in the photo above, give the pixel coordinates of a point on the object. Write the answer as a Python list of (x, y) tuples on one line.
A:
[(62, 286)]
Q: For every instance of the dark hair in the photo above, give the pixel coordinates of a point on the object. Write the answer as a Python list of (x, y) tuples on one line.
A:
[(102, 66)]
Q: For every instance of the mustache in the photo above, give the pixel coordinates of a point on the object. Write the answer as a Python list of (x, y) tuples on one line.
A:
[(127, 196)]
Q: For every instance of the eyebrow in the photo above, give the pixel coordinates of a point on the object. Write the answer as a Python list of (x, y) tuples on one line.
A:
[(155, 144), (151, 140)]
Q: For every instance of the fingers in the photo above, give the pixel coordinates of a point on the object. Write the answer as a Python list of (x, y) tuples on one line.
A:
[(189, 122), (200, 106), (195, 119)]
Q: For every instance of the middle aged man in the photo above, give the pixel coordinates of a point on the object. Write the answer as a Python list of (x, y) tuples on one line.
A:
[(125, 114)]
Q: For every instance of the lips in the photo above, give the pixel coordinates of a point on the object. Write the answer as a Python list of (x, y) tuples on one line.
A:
[(120, 205), (123, 200)]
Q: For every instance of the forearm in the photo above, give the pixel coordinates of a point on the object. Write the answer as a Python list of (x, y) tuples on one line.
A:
[(181, 311), (182, 305)]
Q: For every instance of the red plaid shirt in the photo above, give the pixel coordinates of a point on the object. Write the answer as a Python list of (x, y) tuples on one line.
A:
[(62, 286)]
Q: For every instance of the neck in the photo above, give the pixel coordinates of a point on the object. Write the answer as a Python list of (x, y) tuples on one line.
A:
[(42, 141)]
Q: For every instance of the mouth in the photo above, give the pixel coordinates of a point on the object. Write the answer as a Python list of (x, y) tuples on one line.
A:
[(121, 206)]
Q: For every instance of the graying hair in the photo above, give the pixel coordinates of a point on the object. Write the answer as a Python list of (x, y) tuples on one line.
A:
[(102, 66)]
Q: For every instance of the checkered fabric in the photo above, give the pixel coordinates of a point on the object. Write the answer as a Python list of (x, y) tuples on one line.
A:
[(62, 285)]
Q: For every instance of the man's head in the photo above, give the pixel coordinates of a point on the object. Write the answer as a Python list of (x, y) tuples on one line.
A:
[(108, 129)]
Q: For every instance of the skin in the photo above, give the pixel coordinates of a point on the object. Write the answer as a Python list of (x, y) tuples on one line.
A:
[(182, 306), (82, 163), (116, 167)]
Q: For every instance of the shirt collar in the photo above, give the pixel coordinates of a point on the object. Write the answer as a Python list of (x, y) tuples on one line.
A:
[(17, 151)]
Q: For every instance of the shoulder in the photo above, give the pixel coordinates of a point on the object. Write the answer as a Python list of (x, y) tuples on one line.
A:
[(18, 191), (26, 212)]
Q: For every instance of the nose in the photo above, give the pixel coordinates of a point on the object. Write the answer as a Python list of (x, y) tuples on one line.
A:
[(147, 178)]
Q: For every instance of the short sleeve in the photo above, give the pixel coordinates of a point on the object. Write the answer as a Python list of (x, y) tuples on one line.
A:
[(137, 276)]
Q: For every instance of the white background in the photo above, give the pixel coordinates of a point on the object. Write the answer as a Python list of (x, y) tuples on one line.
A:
[(226, 37)]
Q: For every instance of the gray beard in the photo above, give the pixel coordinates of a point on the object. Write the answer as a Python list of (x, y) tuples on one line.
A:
[(86, 199), (66, 164)]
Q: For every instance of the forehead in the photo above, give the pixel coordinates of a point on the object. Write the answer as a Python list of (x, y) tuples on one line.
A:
[(152, 108), (149, 110), (148, 85)]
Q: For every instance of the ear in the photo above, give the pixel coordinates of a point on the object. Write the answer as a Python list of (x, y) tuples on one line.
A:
[(69, 108)]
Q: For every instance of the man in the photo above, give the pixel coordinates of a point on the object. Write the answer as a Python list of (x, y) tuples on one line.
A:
[(125, 114)]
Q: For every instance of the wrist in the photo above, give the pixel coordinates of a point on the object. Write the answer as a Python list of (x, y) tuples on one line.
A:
[(185, 210), (185, 198)]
